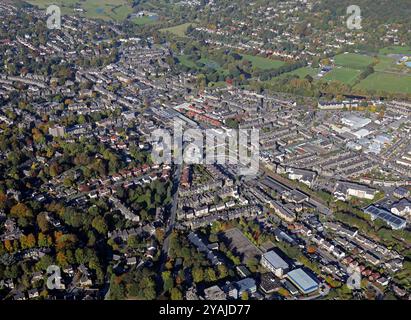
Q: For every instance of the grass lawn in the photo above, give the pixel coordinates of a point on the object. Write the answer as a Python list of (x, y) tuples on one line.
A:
[(353, 60), (179, 30), (263, 63), (303, 72), (385, 63), (144, 20), (95, 9), (395, 50), (345, 75), (387, 82)]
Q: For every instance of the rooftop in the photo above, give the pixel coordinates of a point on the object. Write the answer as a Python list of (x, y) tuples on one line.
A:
[(275, 260), (302, 280)]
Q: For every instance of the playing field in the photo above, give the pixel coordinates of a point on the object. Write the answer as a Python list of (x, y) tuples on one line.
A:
[(345, 75), (263, 63), (94, 9), (387, 82), (179, 30), (353, 60)]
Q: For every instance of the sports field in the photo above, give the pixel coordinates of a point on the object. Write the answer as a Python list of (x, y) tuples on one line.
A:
[(345, 75), (353, 60), (393, 83)]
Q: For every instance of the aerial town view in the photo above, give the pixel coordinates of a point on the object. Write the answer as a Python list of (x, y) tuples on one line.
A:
[(236, 150)]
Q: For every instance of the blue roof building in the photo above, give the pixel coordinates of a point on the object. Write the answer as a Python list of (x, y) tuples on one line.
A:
[(304, 282), (246, 285)]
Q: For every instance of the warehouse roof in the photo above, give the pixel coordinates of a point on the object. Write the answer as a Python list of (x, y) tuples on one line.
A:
[(302, 280)]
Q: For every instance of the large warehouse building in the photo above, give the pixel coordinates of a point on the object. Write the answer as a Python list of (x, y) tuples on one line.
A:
[(304, 282)]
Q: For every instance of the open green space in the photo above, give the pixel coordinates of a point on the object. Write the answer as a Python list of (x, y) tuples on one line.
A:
[(385, 64), (388, 82), (95, 9), (263, 63), (179, 30), (345, 75), (304, 71), (395, 50), (353, 60), (144, 20)]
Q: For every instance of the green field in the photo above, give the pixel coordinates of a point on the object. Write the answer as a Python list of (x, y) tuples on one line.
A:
[(144, 20), (179, 30), (345, 75), (353, 60), (388, 82), (95, 9), (395, 50), (263, 63), (386, 63), (303, 72)]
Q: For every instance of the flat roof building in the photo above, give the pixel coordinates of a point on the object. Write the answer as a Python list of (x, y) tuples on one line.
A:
[(273, 262), (392, 220), (304, 282)]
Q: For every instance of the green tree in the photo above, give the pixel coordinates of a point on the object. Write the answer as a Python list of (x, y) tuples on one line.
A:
[(176, 294), (168, 281), (198, 275)]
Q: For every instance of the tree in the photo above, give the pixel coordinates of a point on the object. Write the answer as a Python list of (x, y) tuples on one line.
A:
[(168, 281), (3, 200), (117, 289), (244, 295), (31, 241), (133, 242), (100, 225), (211, 276), (61, 259), (42, 240), (252, 264), (176, 294), (44, 262), (8, 245), (198, 275), (20, 210), (80, 256), (222, 271), (42, 222)]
